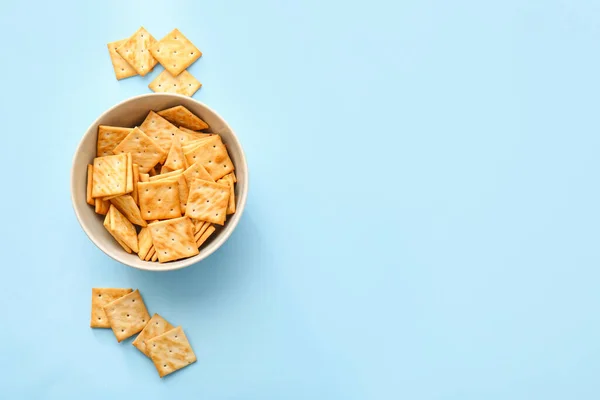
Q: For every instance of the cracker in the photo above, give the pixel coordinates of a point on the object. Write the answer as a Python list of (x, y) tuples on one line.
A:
[(107, 226), (161, 131), (108, 138), (136, 51), (173, 239), (181, 116), (127, 206), (129, 174), (200, 232), (192, 145), (196, 171), (101, 206), (170, 351), (122, 68), (195, 135), (205, 236), (136, 179), (155, 255), (197, 224), (182, 186), (144, 177), (159, 200), (213, 156), (122, 229), (156, 326), (175, 52), (127, 315), (166, 175), (175, 159), (228, 180), (100, 298), (144, 151), (208, 201), (144, 242), (88, 190), (184, 84), (109, 176), (150, 254)]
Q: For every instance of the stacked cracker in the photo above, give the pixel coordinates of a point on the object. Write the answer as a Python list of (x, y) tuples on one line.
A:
[(173, 183), (140, 53), (124, 311)]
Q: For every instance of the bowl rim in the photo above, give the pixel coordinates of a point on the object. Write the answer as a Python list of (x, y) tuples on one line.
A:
[(225, 234)]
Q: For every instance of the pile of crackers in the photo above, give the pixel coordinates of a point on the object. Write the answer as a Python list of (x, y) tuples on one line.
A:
[(163, 186), (139, 54), (124, 311)]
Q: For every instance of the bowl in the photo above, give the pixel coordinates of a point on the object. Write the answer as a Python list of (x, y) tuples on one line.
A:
[(130, 113)]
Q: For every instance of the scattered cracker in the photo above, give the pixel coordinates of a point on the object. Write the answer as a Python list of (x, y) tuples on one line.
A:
[(184, 84), (122, 68), (127, 315), (159, 200), (175, 52), (181, 116), (144, 151), (108, 138), (122, 229), (205, 236), (208, 201), (213, 156), (127, 206), (100, 298), (136, 51), (175, 159), (171, 351), (109, 176), (88, 192), (173, 239), (156, 326)]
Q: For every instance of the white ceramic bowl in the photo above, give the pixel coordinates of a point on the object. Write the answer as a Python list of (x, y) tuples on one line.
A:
[(132, 112)]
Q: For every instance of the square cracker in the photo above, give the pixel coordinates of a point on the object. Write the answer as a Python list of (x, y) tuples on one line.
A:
[(100, 298), (196, 171), (122, 68), (175, 52), (144, 151), (175, 159), (208, 201), (159, 200), (184, 84), (127, 206), (144, 242), (122, 229), (170, 351), (173, 239), (182, 186), (228, 180), (109, 176), (127, 315), (88, 191), (157, 326), (107, 226), (161, 131), (136, 51), (213, 156), (181, 116), (108, 138)]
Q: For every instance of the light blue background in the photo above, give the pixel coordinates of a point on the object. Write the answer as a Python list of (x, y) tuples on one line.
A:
[(423, 219)]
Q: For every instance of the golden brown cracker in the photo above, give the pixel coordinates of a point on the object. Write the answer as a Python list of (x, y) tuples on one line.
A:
[(136, 179), (122, 68), (157, 326), (204, 237), (127, 315), (144, 242), (136, 51), (108, 138), (175, 159), (88, 192), (173, 239), (122, 229), (170, 351), (228, 180), (196, 171), (175, 52), (161, 131), (101, 297), (184, 84), (109, 175), (101, 206), (208, 201), (213, 156), (127, 206), (181, 116), (144, 151), (159, 200)]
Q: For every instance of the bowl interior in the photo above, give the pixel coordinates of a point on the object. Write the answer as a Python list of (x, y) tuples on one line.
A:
[(132, 113)]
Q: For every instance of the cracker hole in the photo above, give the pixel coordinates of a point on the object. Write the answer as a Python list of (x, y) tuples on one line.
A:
[(165, 365), (99, 318), (159, 85), (190, 84), (171, 209), (217, 214), (192, 53), (208, 201), (174, 83), (157, 323), (99, 295), (170, 351), (127, 315), (143, 320), (159, 200), (175, 336), (224, 165), (165, 252), (122, 330), (133, 300), (174, 52)]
